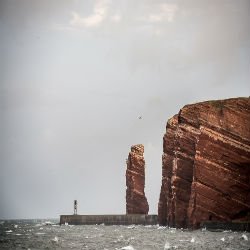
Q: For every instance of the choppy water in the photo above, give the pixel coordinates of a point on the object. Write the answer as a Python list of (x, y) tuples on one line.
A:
[(36, 234)]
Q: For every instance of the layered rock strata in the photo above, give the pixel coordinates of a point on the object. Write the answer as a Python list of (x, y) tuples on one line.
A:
[(135, 181), (206, 164)]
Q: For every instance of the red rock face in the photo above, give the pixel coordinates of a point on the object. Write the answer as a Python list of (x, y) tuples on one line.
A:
[(206, 164), (135, 180)]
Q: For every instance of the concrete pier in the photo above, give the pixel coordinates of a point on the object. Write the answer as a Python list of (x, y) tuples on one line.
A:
[(119, 219)]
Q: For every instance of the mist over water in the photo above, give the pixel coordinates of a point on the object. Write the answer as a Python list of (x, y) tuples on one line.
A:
[(39, 234)]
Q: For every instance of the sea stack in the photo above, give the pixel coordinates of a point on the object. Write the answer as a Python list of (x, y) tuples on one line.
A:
[(136, 202), (206, 164)]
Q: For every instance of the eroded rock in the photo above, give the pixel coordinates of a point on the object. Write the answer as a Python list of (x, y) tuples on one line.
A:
[(135, 181), (206, 164)]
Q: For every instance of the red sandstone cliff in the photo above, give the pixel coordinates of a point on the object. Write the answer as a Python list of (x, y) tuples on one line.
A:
[(135, 181), (206, 164)]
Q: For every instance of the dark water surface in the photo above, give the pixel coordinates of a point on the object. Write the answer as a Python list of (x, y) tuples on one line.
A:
[(36, 234)]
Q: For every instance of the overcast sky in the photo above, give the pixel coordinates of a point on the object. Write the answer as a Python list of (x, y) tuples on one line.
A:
[(76, 75)]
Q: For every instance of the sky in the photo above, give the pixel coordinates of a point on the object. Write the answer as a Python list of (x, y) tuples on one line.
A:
[(76, 75)]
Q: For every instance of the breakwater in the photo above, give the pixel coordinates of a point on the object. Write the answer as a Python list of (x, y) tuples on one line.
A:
[(118, 219)]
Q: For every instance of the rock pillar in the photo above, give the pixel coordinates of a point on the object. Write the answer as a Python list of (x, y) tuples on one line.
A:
[(136, 202)]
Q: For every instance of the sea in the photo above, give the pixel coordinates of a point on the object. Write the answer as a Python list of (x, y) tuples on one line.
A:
[(48, 234)]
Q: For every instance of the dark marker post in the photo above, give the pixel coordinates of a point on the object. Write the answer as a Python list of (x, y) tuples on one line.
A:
[(75, 207)]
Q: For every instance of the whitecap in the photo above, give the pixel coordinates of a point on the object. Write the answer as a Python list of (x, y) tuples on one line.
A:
[(222, 239), (192, 240), (204, 229), (131, 226), (39, 233), (55, 239), (15, 226), (18, 234), (66, 223), (244, 236), (127, 248), (9, 231), (167, 245), (48, 223)]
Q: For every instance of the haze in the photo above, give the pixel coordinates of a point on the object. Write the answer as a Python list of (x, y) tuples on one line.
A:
[(76, 75)]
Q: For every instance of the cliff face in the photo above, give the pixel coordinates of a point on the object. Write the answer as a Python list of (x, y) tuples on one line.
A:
[(206, 164), (135, 181)]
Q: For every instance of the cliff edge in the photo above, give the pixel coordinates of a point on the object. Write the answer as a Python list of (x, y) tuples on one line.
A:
[(206, 164)]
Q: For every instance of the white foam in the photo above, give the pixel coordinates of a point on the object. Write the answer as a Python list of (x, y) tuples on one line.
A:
[(48, 223), (222, 239), (167, 245), (192, 240), (55, 239), (244, 236), (15, 226), (132, 226), (9, 231), (127, 248)]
